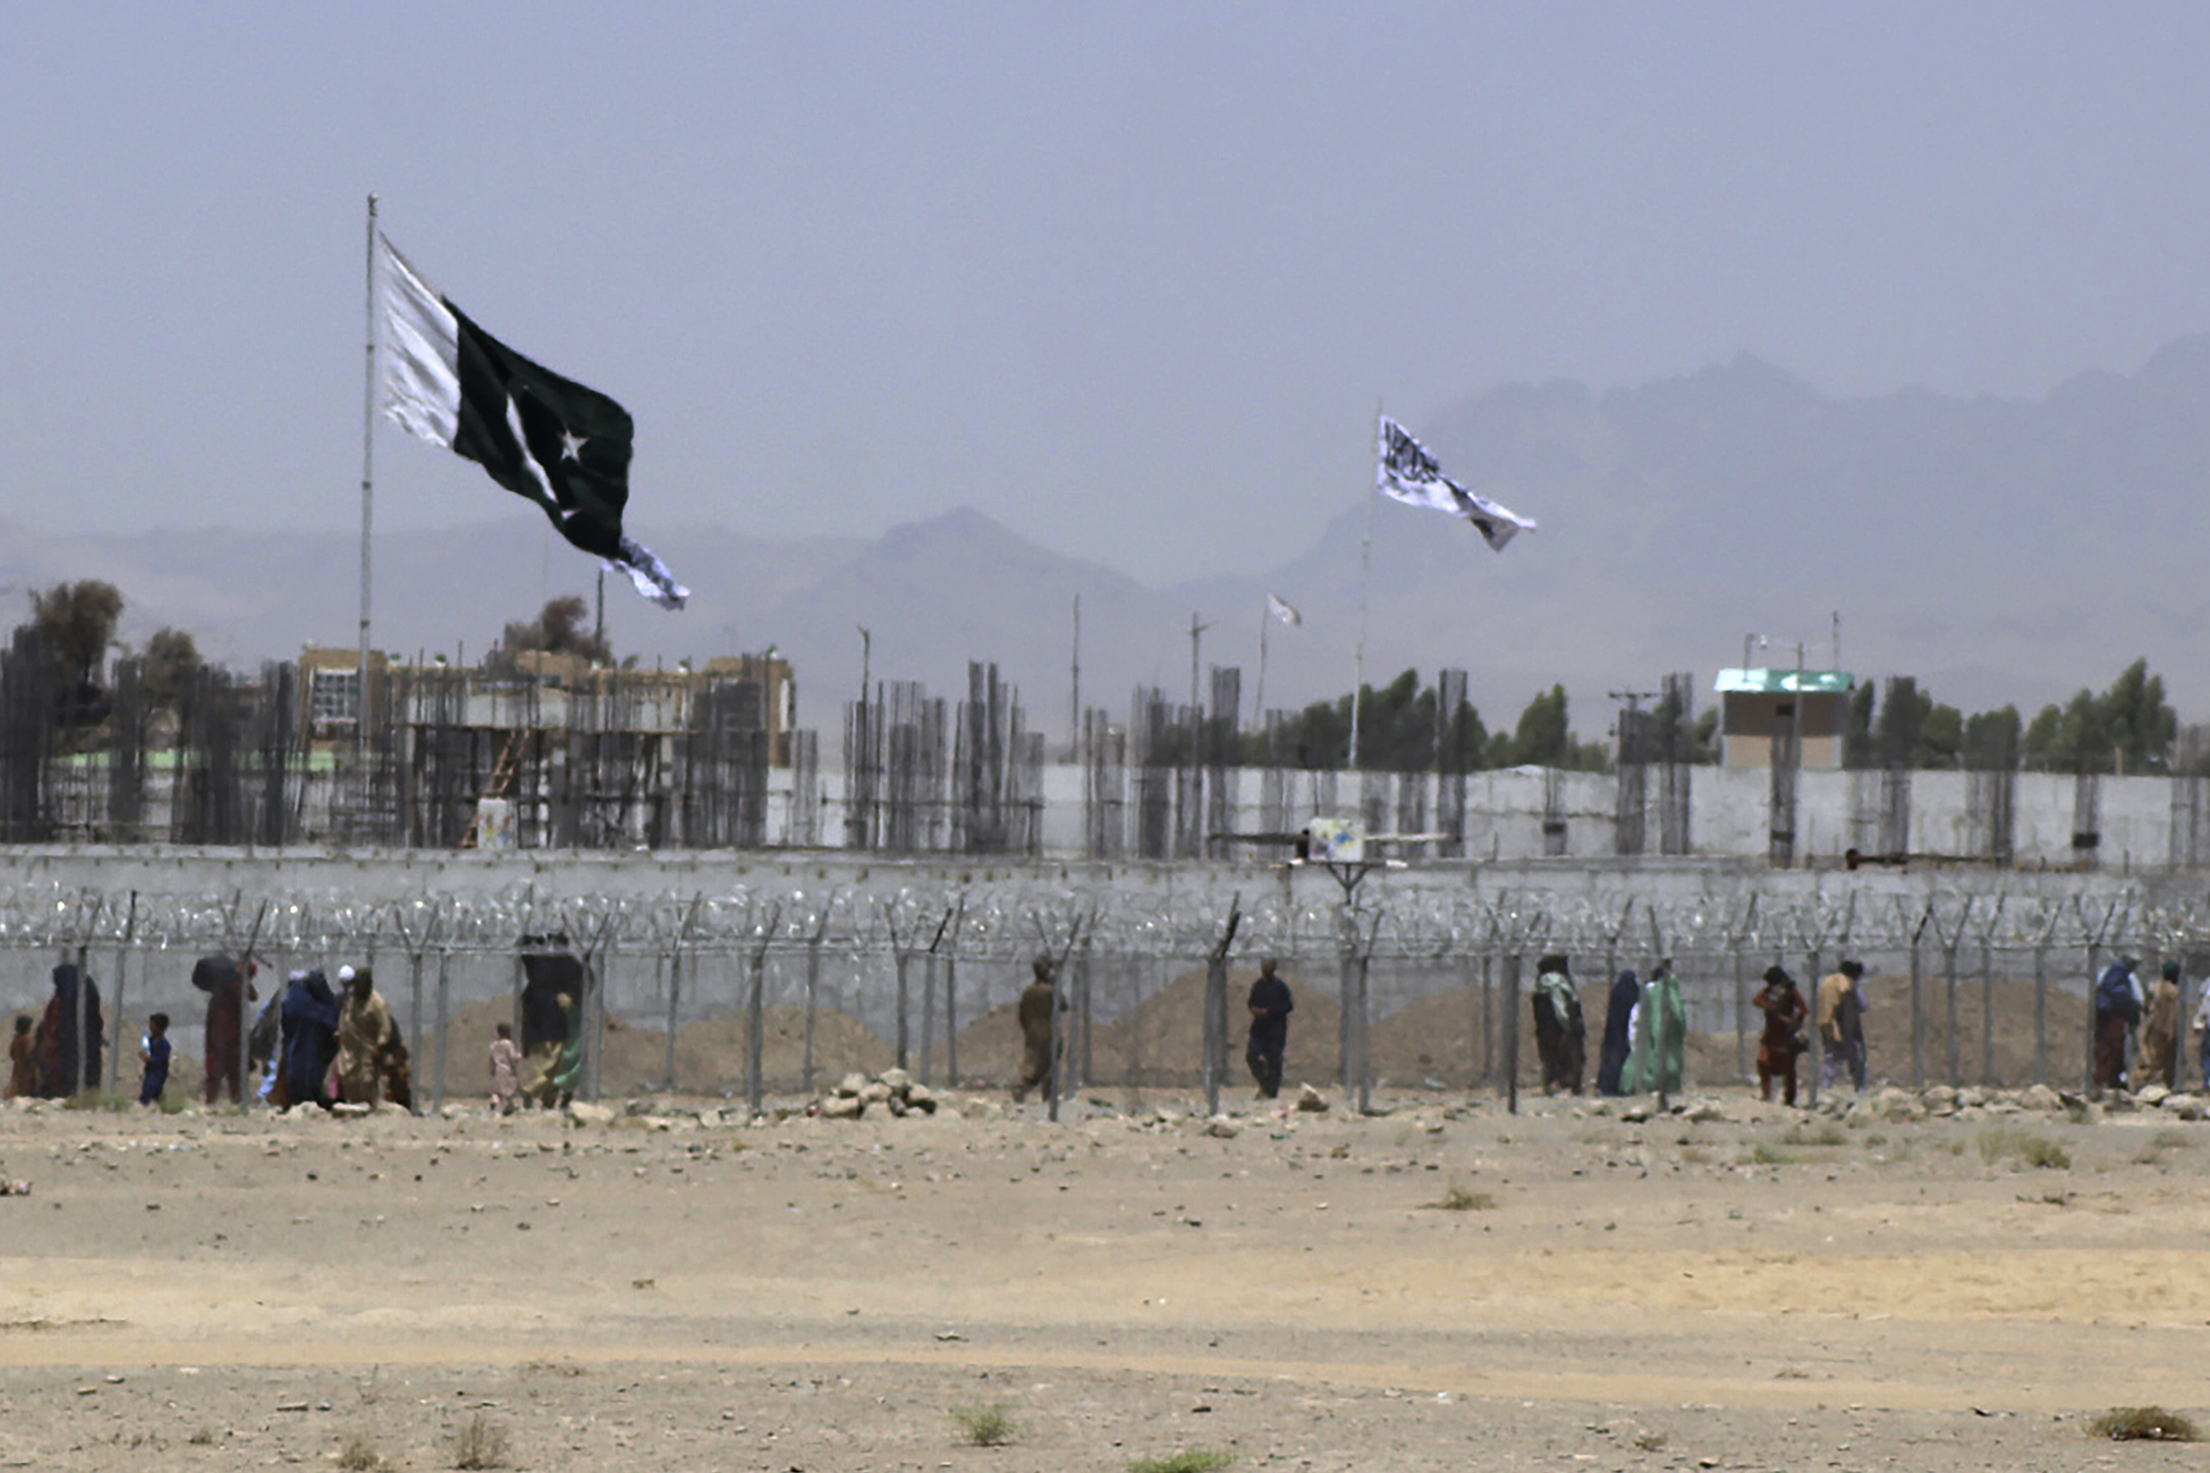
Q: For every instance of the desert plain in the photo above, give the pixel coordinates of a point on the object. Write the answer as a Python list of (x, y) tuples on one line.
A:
[(1924, 1281)]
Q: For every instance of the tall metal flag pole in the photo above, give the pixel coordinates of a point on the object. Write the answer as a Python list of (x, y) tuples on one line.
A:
[(1258, 701), (368, 501), (1365, 582)]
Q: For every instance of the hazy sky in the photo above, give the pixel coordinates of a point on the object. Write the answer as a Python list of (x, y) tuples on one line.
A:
[(1130, 278)]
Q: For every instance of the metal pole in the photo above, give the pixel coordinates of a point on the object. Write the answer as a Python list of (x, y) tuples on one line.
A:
[(1488, 1017), (898, 961), (1741, 1014), (1365, 582), (368, 498), (1987, 1016), (122, 954), (928, 1018), (2041, 1012), (1366, 1072), (1949, 982), (444, 1037), (414, 1012), (1216, 1017), (1511, 1031), (596, 988), (951, 1020), (1918, 1012), (755, 1090), (1085, 1018), (675, 1004), (813, 990)]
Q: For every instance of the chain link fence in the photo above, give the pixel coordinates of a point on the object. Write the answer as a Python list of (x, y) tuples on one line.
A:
[(761, 991)]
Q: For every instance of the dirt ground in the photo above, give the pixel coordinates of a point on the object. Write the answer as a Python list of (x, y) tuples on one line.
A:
[(1734, 1286)]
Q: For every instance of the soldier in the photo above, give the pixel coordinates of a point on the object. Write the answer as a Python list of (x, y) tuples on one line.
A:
[(1038, 1000), (1270, 1004)]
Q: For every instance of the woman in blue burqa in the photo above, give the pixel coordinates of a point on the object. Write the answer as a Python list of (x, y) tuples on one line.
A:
[(1618, 1034), (310, 1037)]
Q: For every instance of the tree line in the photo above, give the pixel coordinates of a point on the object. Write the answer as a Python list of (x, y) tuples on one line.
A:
[(2127, 728)]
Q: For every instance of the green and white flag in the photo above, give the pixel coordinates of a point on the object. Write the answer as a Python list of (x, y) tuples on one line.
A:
[(564, 446)]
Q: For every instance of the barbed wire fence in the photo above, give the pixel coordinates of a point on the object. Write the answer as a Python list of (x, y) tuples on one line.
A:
[(761, 991)]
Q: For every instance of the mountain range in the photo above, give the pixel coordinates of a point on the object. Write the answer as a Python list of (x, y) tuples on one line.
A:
[(2001, 550)]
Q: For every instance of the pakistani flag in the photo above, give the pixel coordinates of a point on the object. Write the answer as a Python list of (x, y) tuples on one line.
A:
[(550, 439), (1407, 473)]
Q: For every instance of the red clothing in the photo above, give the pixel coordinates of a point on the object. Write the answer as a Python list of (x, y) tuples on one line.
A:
[(223, 1069), (1784, 1010)]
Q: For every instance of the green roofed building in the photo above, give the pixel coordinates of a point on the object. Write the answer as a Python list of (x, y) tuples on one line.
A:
[(1757, 707)]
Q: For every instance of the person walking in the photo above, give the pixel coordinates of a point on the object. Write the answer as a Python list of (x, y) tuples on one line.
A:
[(229, 986), (310, 1018), (1561, 1036), (1842, 1024), (23, 1058), (506, 1070), (364, 1022), (2202, 1033), (2159, 1060), (1626, 991), (2117, 1014), (1781, 1001), (153, 1054), (1038, 1001), (1271, 1004), (1658, 1063)]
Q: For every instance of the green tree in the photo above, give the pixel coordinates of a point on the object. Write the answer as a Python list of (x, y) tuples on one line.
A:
[(1544, 738), (2137, 723), (2128, 728), (1992, 740), (560, 628), (75, 623), (172, 665), (1940, 736)]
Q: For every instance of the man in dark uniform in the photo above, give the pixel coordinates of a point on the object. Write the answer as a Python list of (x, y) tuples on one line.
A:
[(1270, 1005), (1037, 1002)]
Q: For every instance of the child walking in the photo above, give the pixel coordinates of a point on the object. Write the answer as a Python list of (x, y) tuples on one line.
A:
[(154, 1054), (22, 1059), (506, 1060)]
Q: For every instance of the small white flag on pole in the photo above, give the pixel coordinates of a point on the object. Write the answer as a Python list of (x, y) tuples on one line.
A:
[(1407, 473), (1282, 609)]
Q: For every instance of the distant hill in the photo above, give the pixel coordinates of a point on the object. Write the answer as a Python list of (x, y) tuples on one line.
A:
[(1998, 549)]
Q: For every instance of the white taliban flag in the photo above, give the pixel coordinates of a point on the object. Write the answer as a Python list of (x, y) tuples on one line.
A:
[(1282, 609), (1407, 473)]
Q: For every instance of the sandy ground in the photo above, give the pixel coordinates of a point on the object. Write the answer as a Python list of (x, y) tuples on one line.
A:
[(1752, 1289)]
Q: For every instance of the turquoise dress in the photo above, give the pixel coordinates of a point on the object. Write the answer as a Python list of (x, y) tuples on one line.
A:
[(1658, 1062)]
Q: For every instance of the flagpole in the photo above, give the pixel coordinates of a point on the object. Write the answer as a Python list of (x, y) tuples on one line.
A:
[(1258, 701), (1365, 582), (368, 500)]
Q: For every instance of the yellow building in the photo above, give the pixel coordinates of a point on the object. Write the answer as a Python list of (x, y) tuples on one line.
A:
[(1758, 708)]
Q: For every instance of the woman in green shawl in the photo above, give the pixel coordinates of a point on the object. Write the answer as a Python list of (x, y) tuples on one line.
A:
[(1659, 1060), (564, 1071)]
